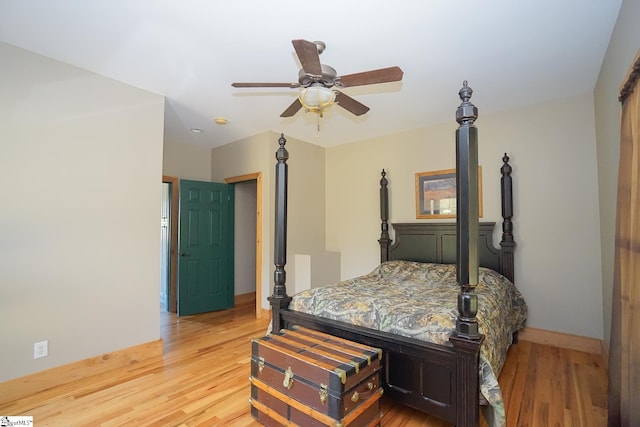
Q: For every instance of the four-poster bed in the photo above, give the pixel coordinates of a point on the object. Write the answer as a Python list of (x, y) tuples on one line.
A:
[(442, 375)]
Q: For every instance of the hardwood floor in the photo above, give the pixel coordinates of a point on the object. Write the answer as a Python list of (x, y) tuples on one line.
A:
[(202, 380)]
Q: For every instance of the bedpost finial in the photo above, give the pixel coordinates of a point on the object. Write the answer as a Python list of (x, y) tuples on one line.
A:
[(466, 92), (282, 154), (467, 113), (506, 167), (383, 180)]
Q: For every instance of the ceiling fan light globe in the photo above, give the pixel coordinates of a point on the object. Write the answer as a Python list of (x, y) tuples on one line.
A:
[(316, 98)]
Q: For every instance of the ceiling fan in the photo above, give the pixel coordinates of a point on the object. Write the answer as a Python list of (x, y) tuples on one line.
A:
[(317, 82)]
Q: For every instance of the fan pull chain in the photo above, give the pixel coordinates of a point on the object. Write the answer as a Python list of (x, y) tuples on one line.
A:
[(318, 127)]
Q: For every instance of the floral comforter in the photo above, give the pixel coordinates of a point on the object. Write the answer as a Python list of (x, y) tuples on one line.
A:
[(419, 300)]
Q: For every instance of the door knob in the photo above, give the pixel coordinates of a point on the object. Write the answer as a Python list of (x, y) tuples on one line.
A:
[(185, 254)]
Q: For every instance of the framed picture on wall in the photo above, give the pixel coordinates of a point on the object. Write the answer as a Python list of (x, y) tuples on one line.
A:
[(436, 194)]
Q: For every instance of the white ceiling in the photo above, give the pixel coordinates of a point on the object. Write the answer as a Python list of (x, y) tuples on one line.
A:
[(512, 53)]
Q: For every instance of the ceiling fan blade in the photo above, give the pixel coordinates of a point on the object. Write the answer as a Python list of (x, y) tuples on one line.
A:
[(309, 57), (293, 109), (289, 85), (350, 104), (383, 75)]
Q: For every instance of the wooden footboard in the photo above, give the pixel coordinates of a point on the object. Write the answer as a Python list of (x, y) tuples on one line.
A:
[(428, 377)]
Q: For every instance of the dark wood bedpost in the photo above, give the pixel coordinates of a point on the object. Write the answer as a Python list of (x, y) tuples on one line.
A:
[(507, 243), (280, 299), (467, 214), (384, 241), (466, 339)]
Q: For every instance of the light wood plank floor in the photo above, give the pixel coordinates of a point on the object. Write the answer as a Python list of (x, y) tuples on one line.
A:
[(202, 380)]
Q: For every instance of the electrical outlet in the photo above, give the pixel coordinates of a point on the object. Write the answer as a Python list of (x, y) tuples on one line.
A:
[(40, 349)]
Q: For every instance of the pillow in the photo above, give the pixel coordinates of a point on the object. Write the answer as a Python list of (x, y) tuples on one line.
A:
[(412, 270)]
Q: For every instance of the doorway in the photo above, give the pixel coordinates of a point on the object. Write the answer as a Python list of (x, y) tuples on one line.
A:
[(173, 250), (245, 239), (257, 178)]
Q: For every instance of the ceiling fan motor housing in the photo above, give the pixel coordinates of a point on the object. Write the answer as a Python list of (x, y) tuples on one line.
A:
[(328, 77)]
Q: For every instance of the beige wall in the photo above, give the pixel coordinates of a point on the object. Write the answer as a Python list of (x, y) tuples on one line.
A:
[(81, 158), (552, 150), (248, 156), (622, 49), (187, 161), (306, 213)]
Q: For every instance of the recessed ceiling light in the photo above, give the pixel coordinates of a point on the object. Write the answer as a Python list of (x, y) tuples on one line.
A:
[(220, 121), (196, 130)]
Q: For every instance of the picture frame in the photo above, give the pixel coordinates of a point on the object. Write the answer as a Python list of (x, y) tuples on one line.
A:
[(436, 194)]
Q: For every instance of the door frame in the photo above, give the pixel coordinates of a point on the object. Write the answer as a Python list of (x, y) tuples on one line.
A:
[(257, 176), (173, 253)]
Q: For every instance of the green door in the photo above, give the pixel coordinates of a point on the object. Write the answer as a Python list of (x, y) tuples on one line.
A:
[(205, 266)]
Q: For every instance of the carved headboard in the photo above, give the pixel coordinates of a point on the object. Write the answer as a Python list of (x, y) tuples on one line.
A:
[(436, 241)]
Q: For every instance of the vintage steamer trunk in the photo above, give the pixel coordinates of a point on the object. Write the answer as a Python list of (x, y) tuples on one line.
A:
[(308, 378)]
